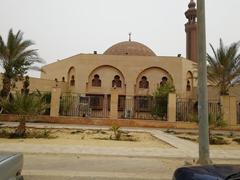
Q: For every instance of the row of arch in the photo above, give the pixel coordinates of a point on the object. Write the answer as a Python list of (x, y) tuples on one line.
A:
[(116, 82), (118, 79)]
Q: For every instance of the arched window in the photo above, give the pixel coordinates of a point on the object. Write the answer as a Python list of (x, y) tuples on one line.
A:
[(56, 81), (144, 83), (188, 88), (96, 81), (71, 76), (189, 81), (164, 81), (72, 81), (63, 79), (116, 82)]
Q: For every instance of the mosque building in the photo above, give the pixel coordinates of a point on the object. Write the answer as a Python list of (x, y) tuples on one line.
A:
[(120, 82), (131, 67)]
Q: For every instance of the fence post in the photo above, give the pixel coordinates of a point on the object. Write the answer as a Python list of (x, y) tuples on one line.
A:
[(172, 107), (114, 104), (55, 101), (229, 110)]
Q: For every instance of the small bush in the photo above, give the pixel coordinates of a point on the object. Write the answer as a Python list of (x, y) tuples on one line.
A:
[(231, 134), (217, 140), (5, 133), (192, 133), (77, 132), (170, 131), (116, 131), (34, 133), (237, 140), (193, 117), (188, 138)]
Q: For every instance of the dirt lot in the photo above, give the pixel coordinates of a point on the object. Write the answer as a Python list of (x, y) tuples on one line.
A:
[(228, 140), (89, 138)]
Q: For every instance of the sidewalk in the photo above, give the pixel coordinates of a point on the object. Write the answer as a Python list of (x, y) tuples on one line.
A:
[(181, 148)]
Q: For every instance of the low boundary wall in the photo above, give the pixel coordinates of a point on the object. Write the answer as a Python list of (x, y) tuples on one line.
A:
[(110, 122), (103, 122)]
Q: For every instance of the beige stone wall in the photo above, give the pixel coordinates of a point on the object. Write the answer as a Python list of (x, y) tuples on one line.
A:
[(213, 92), (130, 69), (44, 85), (106, 74), (229, 110), (188, 68)]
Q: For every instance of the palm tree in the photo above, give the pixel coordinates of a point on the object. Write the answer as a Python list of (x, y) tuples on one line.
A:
[(224, 67), (16, 59), (25, 107)]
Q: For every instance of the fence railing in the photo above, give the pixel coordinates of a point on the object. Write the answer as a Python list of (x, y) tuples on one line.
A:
[(97, 106), (238, 112), (186, 109), (142, 107), (46, 96), (129, 107)]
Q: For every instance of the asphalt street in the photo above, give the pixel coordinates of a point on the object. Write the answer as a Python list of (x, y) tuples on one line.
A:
[(53, 166), (91, 167)]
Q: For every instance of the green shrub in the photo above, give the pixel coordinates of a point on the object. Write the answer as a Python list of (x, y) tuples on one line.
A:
[(217, 140), (25, 106), (160, 99), (237, 140), (116, 131)]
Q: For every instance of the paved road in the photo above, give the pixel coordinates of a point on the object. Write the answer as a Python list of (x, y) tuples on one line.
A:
[(58, 162), (51, 166), (75, 167)]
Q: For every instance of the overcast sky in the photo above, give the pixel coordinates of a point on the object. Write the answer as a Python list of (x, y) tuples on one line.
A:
[(62, 28)]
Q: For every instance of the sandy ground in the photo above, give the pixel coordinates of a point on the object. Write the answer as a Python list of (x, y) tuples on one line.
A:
[(101, 138), (231, 146), (98, 138)]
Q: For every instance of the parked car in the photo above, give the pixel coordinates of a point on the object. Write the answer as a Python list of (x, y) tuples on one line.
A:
[(208, 172), (11, 166)]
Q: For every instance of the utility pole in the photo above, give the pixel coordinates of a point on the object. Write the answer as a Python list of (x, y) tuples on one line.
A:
[(204, 157)]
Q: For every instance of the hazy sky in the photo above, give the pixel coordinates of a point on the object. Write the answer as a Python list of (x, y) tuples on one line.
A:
[(62, 28)]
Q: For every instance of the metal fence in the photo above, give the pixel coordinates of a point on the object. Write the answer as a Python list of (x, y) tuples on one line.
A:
[(186, 109), (129, 107), (46, 96), (142, 107), (238, 112), (89, 105)]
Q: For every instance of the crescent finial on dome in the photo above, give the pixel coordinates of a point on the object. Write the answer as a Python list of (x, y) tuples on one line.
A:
[(129, 38)]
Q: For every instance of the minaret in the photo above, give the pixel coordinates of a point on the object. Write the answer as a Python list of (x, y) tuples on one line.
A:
[(191, 32)]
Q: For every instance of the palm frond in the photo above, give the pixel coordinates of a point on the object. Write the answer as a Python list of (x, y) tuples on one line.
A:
[(16, 58), (224, 67)]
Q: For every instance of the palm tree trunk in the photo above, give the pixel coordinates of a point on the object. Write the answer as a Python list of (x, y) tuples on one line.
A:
[(21, 129), (6, 87)]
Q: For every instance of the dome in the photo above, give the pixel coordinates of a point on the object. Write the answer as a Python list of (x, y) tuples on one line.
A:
[(129, 48)]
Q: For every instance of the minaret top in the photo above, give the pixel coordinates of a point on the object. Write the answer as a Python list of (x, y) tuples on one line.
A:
[(192, 4), (191, 13)]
